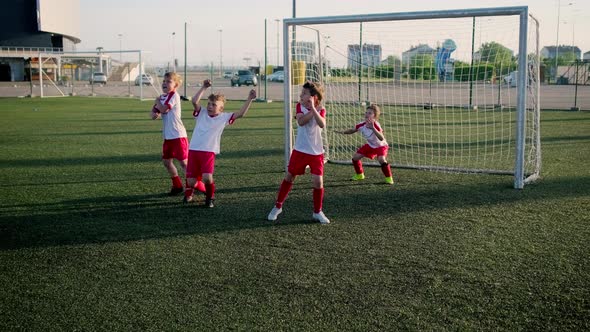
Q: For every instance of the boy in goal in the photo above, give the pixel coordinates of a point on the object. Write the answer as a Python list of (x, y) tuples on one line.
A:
[(376, 145)]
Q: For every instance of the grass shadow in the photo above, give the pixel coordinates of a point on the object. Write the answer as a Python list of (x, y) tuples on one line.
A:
[(154, 216)]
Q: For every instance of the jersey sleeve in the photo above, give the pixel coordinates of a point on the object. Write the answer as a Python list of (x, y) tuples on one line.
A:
[(323, 113), (359, 125), (298, 109), (197, 110), (231, 118), (378, 127), (171, 99)]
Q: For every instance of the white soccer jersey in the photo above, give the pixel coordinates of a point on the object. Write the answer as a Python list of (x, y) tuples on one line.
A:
[(370, 136), (208, 130), (173, 127), (309, 136)]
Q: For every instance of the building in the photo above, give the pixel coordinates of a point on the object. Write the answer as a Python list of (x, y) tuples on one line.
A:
[(416, 50), (369, 55), (28, 27), (551, 51), (586, 56)]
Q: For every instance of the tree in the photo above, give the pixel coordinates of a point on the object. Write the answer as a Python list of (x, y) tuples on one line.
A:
[(566, 58), (394, 61), (422, 60), (422, 67), (498, 55), (494, 52)]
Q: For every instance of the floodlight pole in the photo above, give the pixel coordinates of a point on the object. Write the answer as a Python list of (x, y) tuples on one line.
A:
[(557, 40), (265, 60), (220, 52), (278, 47), (557, 37), (121, 48), (173, 52), (294, 33), (140, 72), (360, 62), (185, 77), (471, 71), (41, 74)]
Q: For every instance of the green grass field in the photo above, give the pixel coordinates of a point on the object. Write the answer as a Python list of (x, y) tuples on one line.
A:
[(89, 240)]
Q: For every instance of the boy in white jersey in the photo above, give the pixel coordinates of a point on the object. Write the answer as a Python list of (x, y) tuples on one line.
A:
[(308, 151), (168, 107), (376, 144), (206, 140)]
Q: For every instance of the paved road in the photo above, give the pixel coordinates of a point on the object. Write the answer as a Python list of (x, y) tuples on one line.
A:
[(552, 96)]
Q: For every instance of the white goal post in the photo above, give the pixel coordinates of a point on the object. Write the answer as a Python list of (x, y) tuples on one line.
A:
[(458, 89)]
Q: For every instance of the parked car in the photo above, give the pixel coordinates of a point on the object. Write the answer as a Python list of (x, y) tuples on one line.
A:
[(144, 79), (229, 74), (98, 78), (277, 76), (244, 77), (511, 79)]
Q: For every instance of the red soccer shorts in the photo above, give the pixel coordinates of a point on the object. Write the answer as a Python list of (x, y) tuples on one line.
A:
[(175, 148), (300, 160), (369, 152), (200, 162)]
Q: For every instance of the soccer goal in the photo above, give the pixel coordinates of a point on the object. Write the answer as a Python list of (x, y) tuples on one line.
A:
[(101, 73), (458, 89)]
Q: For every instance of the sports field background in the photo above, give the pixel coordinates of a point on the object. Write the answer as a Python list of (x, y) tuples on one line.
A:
[(89, 240)]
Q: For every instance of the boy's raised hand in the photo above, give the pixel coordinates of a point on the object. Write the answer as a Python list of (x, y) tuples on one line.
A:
[(309, 103), (252, 94), (207, 83)]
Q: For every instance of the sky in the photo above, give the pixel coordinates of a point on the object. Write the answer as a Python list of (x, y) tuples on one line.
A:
[(157, 26)]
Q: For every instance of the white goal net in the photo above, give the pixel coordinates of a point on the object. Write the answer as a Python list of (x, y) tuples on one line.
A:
[(458, 89)]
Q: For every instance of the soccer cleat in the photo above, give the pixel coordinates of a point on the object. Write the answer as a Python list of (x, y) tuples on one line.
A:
[(187, 199), (321, 217), (274, 213), (389, 180), (175, 191), (209, 203), (358, 177)]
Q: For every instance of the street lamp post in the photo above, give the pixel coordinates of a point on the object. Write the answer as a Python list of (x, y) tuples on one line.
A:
[(278, 48), (220, 52), (557, 36), (173, 52), (120, 48), (99, 49)]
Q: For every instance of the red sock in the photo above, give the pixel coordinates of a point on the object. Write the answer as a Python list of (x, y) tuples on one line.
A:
[(200, 186), (176, 182), (210, 190), (386, 169), (318, 198), (188, 192), (284, 190), (358, 167)]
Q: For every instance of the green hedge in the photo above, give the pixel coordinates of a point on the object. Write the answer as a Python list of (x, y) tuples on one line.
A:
[(340, 72), (478, 73), (383, 71), (424, 73)]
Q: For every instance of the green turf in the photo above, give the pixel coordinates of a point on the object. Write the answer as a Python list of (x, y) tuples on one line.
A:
[(89, 240)]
